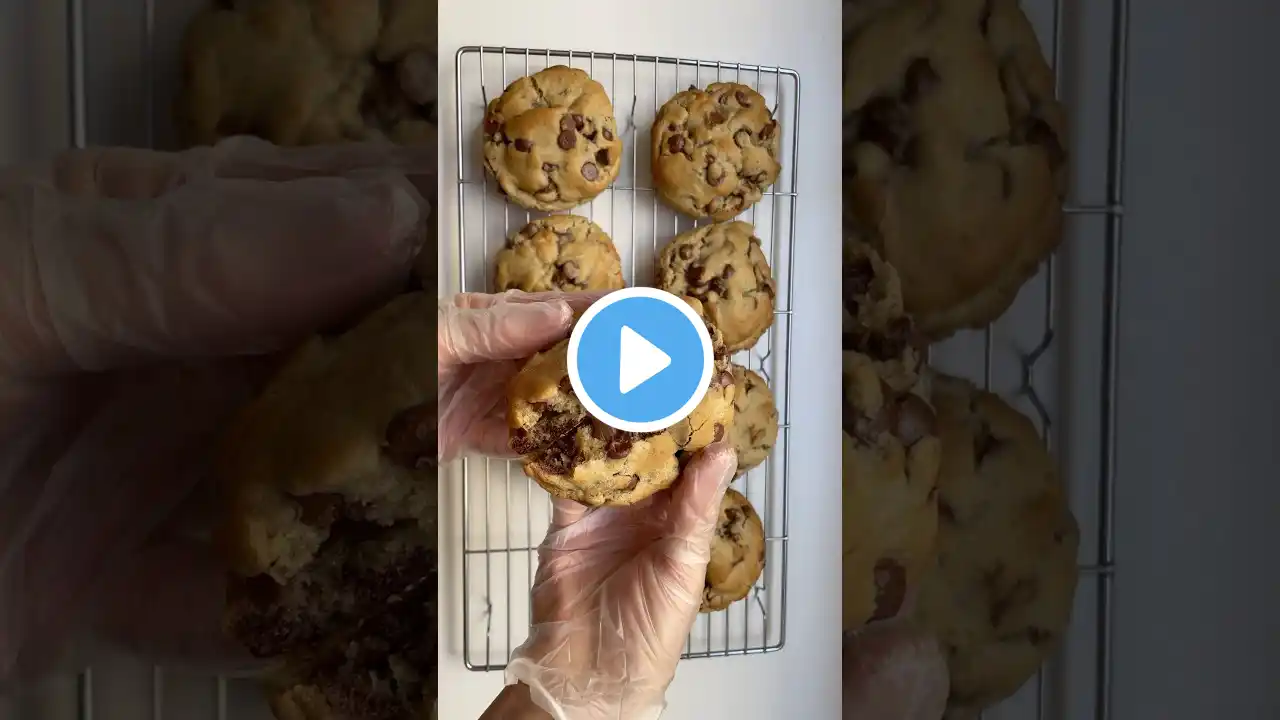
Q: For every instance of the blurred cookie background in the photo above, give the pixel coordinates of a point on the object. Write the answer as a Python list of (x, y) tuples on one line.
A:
[(959, 546)]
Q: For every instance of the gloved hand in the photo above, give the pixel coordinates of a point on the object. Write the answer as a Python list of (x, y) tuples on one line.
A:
[(484, 339), (141, 297), (615, 596), (894, 670)]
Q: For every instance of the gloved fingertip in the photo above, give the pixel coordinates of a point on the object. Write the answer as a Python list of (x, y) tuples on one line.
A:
[(503, 331), (718, 460), (400, 210), (530, 327), (408, 208), (563, 313), (702, 487)]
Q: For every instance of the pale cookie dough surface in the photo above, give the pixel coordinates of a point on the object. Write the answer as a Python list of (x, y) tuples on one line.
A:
[(715, 151), (558, 252), (329, 519), (551, 141), (724, 267), (1002, 592), (737, 553), (891, 451), (574, 456), (954, 152), (304, 72), (755, 419)]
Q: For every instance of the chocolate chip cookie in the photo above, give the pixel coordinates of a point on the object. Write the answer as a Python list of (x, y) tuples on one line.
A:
[(955, 160), (755, 419), (303, 72), (737, 553), (1001, 594), (550, 140), (329, 526), (572, 455), (723, 266), (558, 252), (890, 447), (715, 151)]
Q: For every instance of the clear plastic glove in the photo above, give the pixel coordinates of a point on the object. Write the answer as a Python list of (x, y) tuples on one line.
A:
[(484, 339), (616, 594), (141, 295), (894, 670)]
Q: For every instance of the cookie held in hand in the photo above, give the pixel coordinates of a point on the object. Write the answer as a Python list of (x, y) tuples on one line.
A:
[(574, 456)]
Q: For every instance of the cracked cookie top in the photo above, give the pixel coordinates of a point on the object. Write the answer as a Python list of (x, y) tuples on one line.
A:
[(874, 322), (551, 141), (737, 553), (1002, 590), (572, 455), (558, 252), (724, 267), (715, 151), (955, 159)]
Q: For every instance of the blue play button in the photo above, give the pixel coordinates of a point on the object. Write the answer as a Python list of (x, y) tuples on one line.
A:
[(640, 359)]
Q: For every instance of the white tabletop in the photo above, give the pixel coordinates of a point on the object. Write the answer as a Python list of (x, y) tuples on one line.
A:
[(803, 678)]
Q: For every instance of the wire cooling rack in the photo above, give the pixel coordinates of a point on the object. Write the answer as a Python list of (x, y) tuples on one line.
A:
[(1023, 357), (505, 514)]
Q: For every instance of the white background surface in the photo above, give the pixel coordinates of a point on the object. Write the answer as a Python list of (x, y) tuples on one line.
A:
[(803, 678), (1197, 634)]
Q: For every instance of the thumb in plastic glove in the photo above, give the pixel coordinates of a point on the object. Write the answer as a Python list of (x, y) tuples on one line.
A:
[(616, 594), (158, 273), (894, 670), (483, 341)]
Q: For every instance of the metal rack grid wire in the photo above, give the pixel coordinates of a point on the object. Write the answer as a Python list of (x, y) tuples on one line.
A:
[(504, 513), (1100, 568)]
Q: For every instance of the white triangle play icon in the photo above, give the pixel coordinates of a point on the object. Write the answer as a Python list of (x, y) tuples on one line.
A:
[(639, 361)]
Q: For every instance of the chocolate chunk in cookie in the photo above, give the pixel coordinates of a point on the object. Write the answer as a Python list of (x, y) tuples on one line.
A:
[(410, 438), (875, 322)]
